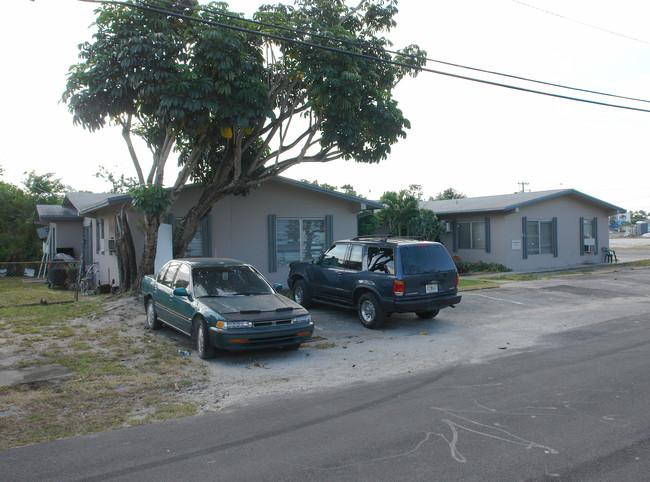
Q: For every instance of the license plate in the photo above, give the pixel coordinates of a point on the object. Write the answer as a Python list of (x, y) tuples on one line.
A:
[(431, 288)]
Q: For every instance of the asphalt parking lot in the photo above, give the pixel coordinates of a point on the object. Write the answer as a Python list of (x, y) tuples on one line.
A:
[(489, 323)]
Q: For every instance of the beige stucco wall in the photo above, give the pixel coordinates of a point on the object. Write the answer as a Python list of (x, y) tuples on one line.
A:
[(506, 235), (68, 235), (239, 224), (107, 260), (108, 267), (568, 210)]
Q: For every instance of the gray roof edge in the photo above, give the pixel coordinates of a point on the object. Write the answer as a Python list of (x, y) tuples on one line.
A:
[(540, 197), (567, 192), (330, 192), (108, 201), (55, 212), (112, 199), (613, 207)]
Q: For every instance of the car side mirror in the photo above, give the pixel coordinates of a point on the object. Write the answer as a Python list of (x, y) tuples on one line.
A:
[(277, 286), (181, 292)]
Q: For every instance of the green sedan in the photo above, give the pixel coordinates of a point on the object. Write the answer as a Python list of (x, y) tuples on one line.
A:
[(223, 304)]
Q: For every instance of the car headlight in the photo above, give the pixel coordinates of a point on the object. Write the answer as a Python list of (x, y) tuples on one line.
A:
[(228, 325), (301, 319)]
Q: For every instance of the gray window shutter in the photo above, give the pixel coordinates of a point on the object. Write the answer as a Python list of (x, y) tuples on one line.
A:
[(582, 236), (329, 230), (555, 244), (596, 234), (454, 233), (487, 235), (524, 237), (273, 261)]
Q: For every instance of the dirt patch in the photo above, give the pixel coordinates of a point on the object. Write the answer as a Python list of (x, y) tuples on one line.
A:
[(120, 374)]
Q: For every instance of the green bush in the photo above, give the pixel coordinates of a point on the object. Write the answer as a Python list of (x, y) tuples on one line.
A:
[(464, 267)]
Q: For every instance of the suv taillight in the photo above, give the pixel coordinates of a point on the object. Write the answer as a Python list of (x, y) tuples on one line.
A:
[(398, 288), (457, 280)]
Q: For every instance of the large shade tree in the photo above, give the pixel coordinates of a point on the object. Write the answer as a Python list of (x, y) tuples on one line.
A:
[(19, 240), (238, 108)]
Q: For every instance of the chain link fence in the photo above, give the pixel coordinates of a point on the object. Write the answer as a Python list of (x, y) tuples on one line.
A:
[(36, 282)]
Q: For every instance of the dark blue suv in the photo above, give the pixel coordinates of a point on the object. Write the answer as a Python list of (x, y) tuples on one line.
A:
[(379, 276)]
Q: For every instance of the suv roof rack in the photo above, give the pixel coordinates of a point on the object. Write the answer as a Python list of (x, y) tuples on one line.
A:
[(387, 237)]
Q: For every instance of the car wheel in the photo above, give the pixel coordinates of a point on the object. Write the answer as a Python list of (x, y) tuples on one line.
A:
[(427, 315), (203, 346), (302, 294), (370, 312), (153, 323)]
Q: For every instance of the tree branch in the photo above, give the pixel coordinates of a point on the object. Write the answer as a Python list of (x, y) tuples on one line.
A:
[(189, 166), (126, 134), (351, 12)]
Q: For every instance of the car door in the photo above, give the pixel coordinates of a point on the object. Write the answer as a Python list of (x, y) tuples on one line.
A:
[(353, 268), (327, 280), (181, 307), (164, 290)]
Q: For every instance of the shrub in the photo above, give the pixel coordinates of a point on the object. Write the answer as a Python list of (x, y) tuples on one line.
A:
[(480, 267)]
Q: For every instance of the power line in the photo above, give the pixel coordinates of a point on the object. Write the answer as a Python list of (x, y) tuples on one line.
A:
[(451, 64), (359, 55), (581, 23)]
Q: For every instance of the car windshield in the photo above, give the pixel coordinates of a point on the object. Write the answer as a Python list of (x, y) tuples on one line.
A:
[(229, 281), (426, 258)]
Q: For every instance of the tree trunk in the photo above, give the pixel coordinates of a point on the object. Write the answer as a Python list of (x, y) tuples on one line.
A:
[(147, 263), (125, 251), (190, 223)]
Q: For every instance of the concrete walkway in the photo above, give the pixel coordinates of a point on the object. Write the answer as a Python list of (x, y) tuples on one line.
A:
[(33, 374)]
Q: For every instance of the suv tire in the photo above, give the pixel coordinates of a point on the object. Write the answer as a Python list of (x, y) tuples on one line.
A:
[(302, 293), (370, 312)]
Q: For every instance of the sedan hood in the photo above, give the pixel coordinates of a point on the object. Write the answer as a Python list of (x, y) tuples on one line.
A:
[(252, 304)]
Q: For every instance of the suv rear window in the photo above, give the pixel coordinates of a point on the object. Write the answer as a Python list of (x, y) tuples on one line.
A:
[(425, 258)]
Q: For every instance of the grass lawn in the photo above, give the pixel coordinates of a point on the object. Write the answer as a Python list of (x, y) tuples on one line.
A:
[(123, 374), (475, 284)]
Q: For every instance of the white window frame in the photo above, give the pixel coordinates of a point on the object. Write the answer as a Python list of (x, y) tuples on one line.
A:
[(542, 247), (471, 235), (283, 261), (589, 240)]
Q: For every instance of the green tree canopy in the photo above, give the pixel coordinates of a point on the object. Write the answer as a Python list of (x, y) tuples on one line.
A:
[(44, 188), (427, 225), (449, 193), (239, 108), (119, 185), (639, 215), (19, 240), (399, 209)]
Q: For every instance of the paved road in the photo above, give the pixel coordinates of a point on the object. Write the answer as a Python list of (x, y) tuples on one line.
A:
[(574, 407)]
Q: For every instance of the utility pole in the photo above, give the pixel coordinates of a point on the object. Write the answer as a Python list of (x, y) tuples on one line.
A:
[(522, 184)]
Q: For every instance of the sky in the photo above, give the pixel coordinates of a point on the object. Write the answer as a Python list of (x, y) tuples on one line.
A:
[(475, 138)]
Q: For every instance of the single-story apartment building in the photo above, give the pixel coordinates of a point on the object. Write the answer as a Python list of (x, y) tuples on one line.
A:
[(281, 221), (527, 231)]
